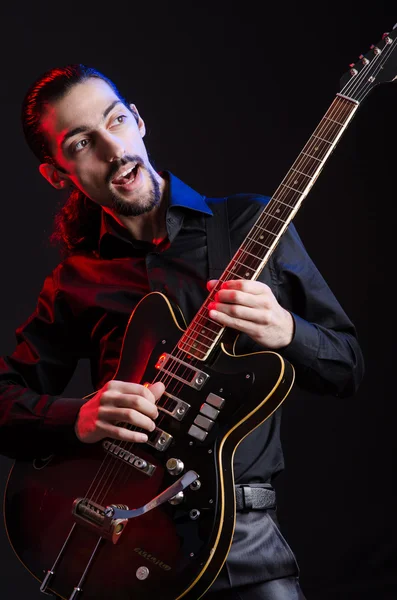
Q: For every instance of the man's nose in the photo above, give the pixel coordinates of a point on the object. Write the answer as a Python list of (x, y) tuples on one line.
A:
[(112, 148)]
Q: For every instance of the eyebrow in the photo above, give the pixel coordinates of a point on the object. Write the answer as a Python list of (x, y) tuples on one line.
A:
[(83, 128)]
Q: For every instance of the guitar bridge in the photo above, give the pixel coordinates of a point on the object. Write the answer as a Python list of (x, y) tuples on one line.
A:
[(95, 517), (128, 457)]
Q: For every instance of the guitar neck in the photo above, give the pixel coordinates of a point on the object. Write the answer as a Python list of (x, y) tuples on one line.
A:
[(203, 333)]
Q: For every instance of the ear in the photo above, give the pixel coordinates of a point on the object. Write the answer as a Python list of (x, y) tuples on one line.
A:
[(140, 121), (57, 179)]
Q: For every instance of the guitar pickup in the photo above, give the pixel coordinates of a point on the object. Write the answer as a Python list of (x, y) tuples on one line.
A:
[(159, 439), (182, 371), (173, 406)]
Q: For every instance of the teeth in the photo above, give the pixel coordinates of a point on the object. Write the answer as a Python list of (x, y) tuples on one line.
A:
[(126, 172)]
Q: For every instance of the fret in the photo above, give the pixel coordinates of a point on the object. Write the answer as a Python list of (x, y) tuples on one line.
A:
[(263, 228), (288, 206), (283, 203), (327, 127), (235, 274), (310, 167), (204, 327), (190, 350), (330, 130), (274, 233), (243, 265), (322, 139), (267, 220), (277, 218), (270, 216), (333, 121), (290, 188), (317, 149), (301, 173), (260, 243), (314, 157), (194, 344), (298, 182), (200, 333), (250, 253)]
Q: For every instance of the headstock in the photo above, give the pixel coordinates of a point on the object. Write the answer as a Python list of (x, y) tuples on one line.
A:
[(378, 65)]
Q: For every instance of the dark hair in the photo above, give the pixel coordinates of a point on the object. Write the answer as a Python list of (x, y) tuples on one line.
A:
[(76, 225)]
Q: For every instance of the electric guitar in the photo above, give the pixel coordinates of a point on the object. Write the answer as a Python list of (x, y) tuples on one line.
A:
[(132, 522)]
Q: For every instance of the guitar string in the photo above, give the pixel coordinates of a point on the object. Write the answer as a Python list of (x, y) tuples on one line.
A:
[(303, 165), (127, 447), (355, 82), (288, 206), (284, 195)]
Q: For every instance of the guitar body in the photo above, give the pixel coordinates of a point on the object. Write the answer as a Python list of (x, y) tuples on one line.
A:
[(176, 549)]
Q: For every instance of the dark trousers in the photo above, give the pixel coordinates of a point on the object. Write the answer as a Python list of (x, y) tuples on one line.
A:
[(286, 588), (260, 564)]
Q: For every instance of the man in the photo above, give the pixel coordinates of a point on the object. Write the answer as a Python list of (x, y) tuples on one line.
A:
[(127, 230)]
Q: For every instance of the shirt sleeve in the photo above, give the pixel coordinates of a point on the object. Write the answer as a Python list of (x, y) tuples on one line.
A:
[(325, 349), (34, 419)]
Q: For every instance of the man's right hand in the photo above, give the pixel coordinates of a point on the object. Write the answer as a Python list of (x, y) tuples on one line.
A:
[(119, 401)]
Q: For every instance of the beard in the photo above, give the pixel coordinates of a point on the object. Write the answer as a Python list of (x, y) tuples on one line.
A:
[(147, 201)]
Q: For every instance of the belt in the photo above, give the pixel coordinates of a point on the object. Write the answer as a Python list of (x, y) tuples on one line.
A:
[(259, 496)]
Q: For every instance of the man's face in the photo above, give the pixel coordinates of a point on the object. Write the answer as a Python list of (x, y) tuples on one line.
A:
[(98, 142)]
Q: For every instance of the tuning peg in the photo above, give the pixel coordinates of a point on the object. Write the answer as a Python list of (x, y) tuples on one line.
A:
[(375, 49)]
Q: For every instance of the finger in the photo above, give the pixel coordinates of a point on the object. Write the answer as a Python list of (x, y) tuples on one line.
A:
[(250, 286), (157, 390), (112, 414), (211, 284), (238, 297), (244, 313), (243, 319), (131, 401), (123, 433), (127, 387)]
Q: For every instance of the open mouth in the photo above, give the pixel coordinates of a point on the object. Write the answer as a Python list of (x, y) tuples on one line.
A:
[(127, 176)]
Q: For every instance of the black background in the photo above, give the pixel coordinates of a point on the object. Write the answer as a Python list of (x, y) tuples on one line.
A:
[(230, 94)]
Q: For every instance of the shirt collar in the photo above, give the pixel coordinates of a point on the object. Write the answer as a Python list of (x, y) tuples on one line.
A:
[(182, 195), (179, 195)]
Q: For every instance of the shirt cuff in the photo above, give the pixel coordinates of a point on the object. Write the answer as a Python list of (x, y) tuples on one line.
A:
[(304, 345)]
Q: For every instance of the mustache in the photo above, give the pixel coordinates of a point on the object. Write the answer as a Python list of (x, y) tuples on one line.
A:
[(124, 160)]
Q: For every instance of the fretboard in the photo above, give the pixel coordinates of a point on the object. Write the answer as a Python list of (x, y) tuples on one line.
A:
[(203, 333)]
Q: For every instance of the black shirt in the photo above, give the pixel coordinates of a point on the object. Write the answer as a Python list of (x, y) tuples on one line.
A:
[(85, 303)]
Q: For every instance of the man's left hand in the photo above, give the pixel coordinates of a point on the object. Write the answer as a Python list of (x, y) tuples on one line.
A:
[(252, 308)]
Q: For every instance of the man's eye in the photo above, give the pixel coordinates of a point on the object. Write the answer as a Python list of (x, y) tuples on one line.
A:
[(80, 145), (119, 120)]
